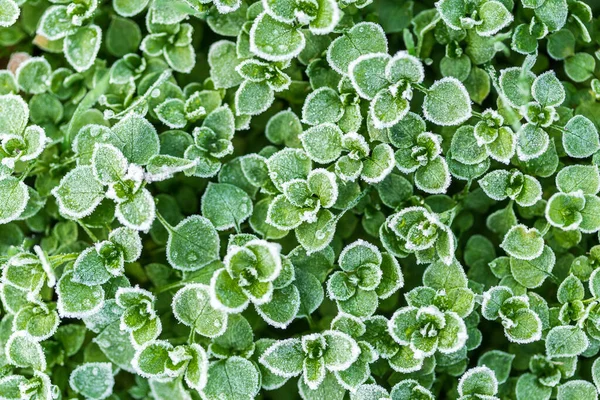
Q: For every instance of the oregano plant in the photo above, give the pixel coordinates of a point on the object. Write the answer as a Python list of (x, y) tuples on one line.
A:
[(299, 199)]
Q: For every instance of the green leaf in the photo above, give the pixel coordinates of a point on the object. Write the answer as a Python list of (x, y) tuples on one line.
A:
[(498, 361), (286, 45), (379, 164), (523, 243), (494, 17), (532, 273), (14, 196), (532, 142), (136, 138), (577, 389), (363, 38), (93, 380), (433, 177), (580, 137), (283, 307), (284, 358), (447, 103), (322, 106), (223, 61), (9, 12), (191, 306), (138, 211), (33, 75), (253, 98), (129, 8), (323, 143), (225, 206), (81, 47), (566, 341), (315, 236), (478, 381), (108, 164), (76, 300), (578, 177), (78, 193), (367, 74), (571, 289), (547, 90), (192, 244), (14, 114), (580, 67), (23, 351), (233, 378)]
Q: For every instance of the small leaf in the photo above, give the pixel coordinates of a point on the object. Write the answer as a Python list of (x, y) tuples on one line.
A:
[(226, 205), (191, 306), (580, 138), (93, 380), (192, 244), (447, 103), (78, 193), (288, 43), (523, 243), (363, 38), (14, 196), (323, 143), (81, 48), (566, 341)]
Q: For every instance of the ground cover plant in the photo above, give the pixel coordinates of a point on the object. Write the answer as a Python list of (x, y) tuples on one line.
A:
[(316, 199)]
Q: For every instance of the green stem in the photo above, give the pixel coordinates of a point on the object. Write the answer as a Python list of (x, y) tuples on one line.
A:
[(164, 222), (171, 286), (88, 231)]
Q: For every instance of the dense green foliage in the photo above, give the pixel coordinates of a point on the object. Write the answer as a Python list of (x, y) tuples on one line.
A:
[(316, 199)]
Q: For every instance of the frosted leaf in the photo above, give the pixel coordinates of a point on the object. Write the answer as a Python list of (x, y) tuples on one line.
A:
[(322, 184), (564, 210), (322, 106), (232, 378), (578, 177), (580, 138), (76, 300), (284, 358), (81, 47), (180, 58), (327, 18), (547, 90), (433, 177), (516, 85), (379, 164), (465, 147), (577, 389), (404, 66), (532, 142), (284, 215), (33, 75), (409, 389), (363, 38), (9, 12), (317, 235), (38, 321), (14, 114), (223, 61), (523, 243), (570, 290), (162, 167), (152, 360), (274, 40), (447, 103), (23, 351), (192, 244), (323, 143), (108, 163), (171, 112), (368, 74), (532, 273), (386, 109), (14, 196), (288, 164), (283, 307), (137, 212), (93, 380), (253, 98), (35, 142), (369, 392), (129, 8), (90, 270), (191, 306), (566, 341), (196, 372), (494, 17), (226, 205), (78, 193), (136, 138), (478, 381)]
